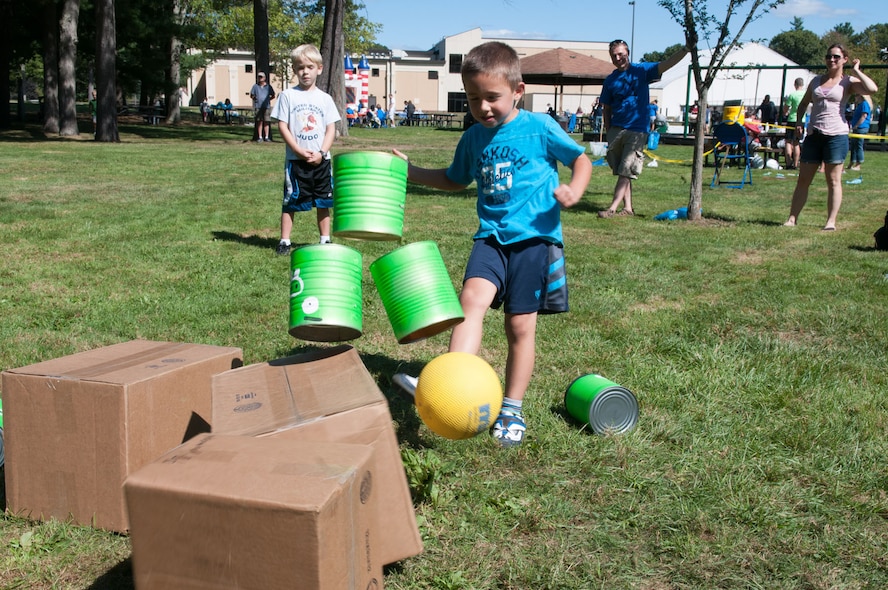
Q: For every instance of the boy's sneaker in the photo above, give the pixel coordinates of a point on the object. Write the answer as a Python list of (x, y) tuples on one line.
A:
[(406, 382), (509, 429), (282, 249)]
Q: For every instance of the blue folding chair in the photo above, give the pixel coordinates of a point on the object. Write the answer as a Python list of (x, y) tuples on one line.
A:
[(732, 147)]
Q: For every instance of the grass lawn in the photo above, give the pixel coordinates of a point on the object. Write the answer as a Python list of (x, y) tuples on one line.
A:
[(757, 353)]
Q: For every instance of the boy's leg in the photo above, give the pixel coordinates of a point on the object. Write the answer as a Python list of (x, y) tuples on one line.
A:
[(509, 427), (324, 223), (475, 298), (283, 247), (521, 337)]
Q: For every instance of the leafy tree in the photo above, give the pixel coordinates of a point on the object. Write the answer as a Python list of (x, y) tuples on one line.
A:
[(698, 20), (658, 56), (799, 45)]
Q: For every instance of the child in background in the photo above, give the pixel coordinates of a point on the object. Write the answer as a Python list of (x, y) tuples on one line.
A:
[(307, 118), (517, 259)]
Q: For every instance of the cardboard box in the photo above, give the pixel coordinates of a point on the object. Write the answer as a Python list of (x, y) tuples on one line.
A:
[(326, 396), (76, 426), (226, 512)]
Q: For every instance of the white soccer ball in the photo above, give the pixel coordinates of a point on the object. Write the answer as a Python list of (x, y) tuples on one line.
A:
[(772, 164)]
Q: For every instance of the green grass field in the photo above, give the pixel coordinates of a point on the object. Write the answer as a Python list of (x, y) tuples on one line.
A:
[(757, 353)]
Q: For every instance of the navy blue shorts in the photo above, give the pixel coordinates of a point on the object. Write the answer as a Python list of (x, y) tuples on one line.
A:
[(829, 149), (529, 276), (307, 186)]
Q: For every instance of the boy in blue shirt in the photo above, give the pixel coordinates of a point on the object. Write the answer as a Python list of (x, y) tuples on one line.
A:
[(517, 260)]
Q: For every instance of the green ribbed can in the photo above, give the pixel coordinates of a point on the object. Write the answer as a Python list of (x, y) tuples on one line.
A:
[(325, 293), (369, 195), (602, 404), (416, 291)]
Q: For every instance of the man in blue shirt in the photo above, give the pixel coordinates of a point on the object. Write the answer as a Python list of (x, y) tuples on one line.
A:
[(626, 97)]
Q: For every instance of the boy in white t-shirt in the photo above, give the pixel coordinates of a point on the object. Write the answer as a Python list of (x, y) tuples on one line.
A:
[(307, 118)]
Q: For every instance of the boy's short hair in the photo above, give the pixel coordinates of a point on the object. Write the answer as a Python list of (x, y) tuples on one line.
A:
[(309, 52), (493, 58)]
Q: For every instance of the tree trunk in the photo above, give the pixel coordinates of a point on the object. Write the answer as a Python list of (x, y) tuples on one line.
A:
[(332, 79), (106, 72), (262, 51), (695, 202), (6, 12), (67, 63), (174, 83), (50, 69)]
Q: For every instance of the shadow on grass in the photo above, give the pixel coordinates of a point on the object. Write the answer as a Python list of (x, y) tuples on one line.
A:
[(119, 577), (400, 403), (252, 240), (864, 248)]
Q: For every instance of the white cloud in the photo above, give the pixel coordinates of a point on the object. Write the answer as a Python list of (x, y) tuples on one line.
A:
[(813, 8)]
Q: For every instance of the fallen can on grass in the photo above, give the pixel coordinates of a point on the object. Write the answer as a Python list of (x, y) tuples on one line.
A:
[(602, 404)]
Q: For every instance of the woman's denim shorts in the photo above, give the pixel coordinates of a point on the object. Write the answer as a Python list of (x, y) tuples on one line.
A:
[(830, 149)]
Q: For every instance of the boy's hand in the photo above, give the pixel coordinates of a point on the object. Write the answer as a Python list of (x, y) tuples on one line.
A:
[(401, 155), (566, 196)]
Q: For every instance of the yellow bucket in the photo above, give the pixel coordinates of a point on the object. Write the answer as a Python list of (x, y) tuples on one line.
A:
[(733, 114)]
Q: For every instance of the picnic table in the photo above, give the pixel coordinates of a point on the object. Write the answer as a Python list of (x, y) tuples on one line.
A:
[(230, 115), (151, 115), (442, 120)]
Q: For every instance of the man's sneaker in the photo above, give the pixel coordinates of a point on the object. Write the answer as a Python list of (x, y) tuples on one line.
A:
[(282, 249), (509, 429), (406, 382)]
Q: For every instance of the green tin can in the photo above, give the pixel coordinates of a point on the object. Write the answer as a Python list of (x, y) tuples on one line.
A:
[(417, 292), (325, 293), (602, 404), (369, 195)]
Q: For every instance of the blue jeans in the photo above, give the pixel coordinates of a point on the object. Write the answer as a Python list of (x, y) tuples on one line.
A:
[(857, 144)]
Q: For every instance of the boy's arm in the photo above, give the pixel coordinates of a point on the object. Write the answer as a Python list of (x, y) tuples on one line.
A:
[(329, 137), (284, 130), (433, 177), (581, 172)]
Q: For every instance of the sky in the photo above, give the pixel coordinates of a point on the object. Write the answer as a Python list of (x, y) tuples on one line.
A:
[(420, 24)]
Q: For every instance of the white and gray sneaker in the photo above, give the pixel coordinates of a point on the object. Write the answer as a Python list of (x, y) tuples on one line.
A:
[(406, 382)]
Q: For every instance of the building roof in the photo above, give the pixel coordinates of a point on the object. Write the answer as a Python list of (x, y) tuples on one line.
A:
[(561, 66)]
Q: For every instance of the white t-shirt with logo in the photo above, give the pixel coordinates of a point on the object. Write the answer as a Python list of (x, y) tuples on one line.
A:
[(307, 114)]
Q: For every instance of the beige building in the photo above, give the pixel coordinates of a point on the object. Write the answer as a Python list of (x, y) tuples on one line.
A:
[(429, 78)]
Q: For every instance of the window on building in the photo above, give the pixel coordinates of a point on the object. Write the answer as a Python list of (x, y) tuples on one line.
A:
[(374, 72), (248, 68), (455, 62), (457, 102), (433, 74)]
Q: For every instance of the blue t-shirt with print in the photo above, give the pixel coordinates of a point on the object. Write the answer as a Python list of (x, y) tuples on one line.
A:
[(516, 169), (628, 95)]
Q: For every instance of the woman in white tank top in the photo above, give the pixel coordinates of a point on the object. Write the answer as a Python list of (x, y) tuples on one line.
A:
[(826, 141)]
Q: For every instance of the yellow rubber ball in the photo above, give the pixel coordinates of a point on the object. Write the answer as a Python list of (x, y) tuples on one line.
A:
[(458, 395)]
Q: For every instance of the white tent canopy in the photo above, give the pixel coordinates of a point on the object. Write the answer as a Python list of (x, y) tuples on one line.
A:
[(749, 86)]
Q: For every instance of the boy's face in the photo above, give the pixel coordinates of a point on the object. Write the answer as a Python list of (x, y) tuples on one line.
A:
[(491, 99), (307, 72)]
